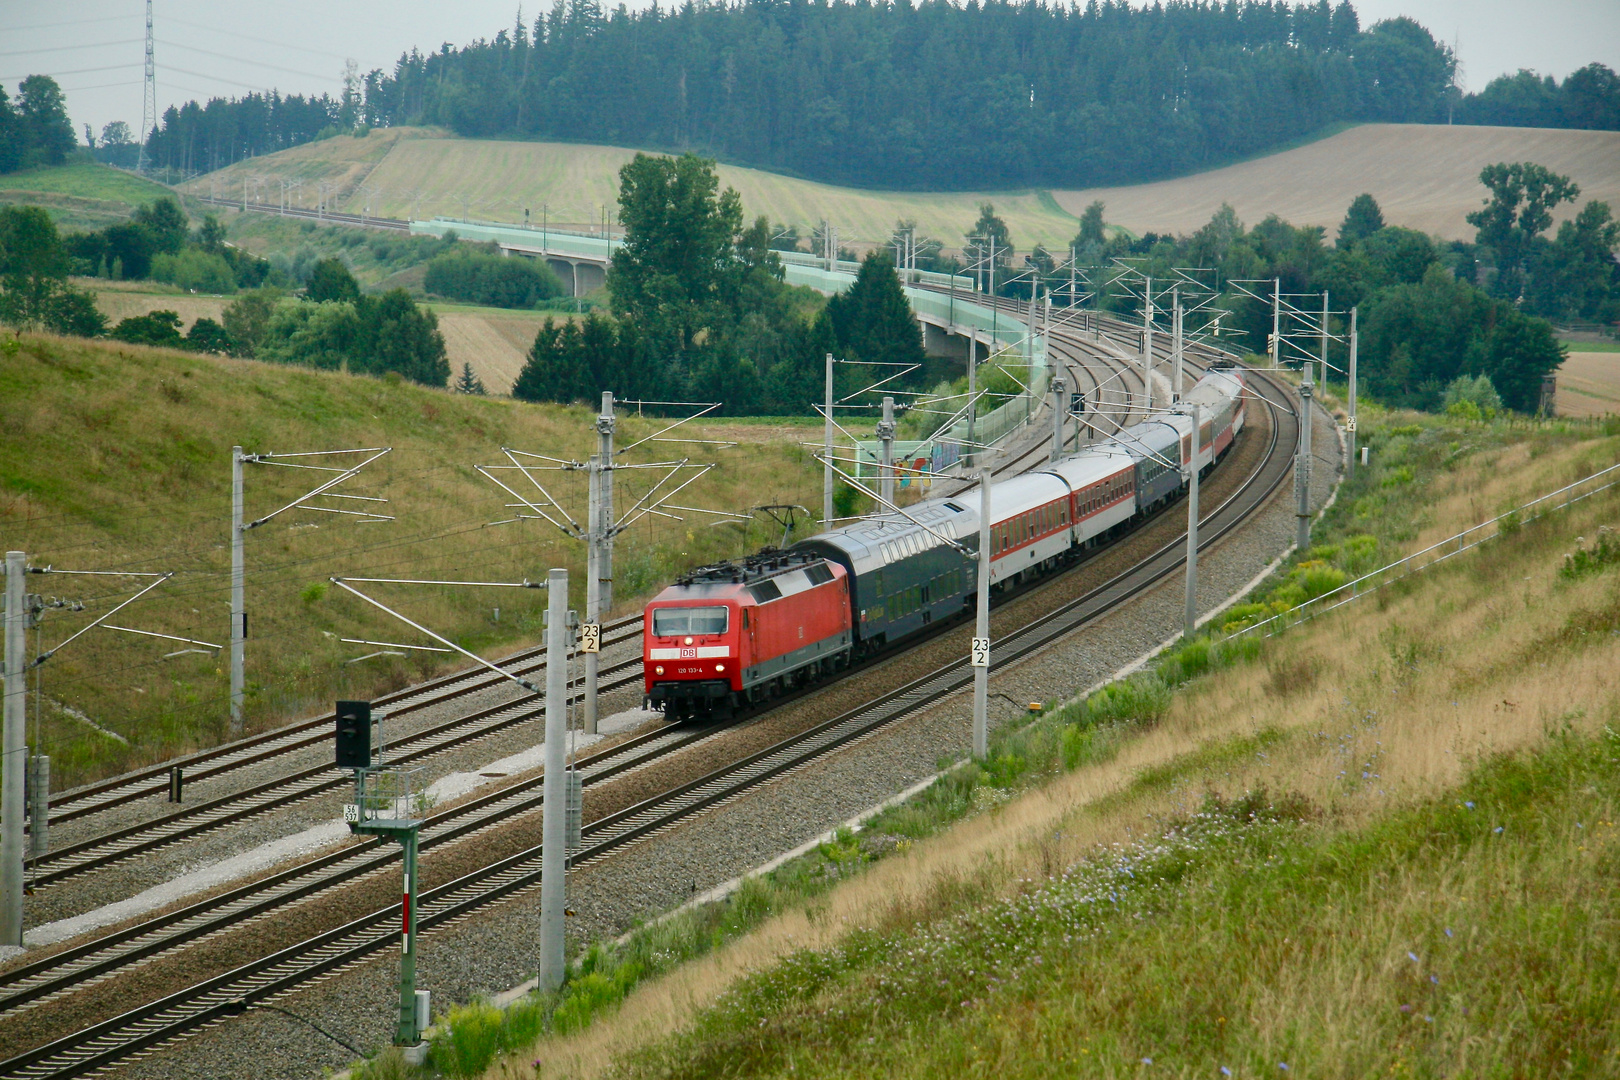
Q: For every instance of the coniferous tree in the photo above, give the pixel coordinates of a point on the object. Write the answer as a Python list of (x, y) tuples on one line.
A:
[(1362, 219)]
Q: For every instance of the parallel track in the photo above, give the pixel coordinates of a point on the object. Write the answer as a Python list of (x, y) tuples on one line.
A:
[(211, 1000)]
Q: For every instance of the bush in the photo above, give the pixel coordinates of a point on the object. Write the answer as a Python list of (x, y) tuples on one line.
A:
[(494, 280), (196, 270), (153, 328), (208, 336)]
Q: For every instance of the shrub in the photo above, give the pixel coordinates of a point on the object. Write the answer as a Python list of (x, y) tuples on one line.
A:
[(468, 1041), (498, 281), (198, 271), (153, 328)]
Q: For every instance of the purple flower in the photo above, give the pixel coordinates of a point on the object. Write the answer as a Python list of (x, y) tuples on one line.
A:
[(1469, 805), (1448, 931), (1497, 829), (1225, 1071), (1435, 979), (1147, 1061), (1412, 957)]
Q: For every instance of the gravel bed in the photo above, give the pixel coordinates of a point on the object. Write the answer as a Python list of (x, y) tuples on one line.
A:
[(124, 879), (496, 949)]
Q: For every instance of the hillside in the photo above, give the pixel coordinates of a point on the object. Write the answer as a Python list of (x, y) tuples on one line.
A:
[(80, 194), (1424, 177), (421, 173), (118, 458)]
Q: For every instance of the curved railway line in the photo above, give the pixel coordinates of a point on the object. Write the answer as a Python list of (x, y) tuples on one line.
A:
[(175, 1015)]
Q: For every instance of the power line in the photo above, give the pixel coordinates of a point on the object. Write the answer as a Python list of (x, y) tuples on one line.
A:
[(240, 60), (257, 40), (71, 48)]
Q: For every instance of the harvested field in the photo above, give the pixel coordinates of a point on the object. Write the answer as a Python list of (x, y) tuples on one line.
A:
[(1424, 176), (1589, 384)]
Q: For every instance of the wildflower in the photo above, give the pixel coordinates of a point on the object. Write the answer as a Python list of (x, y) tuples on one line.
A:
[(1406, 1008), (1448, 931), (1225, 1071), (1147, 1061), (1469, 805), (1435, 979), (1412, 957), (1497, 829)]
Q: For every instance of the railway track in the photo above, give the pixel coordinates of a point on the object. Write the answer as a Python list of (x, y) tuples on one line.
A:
[(120, 845), (362, 220), (174, 1016)]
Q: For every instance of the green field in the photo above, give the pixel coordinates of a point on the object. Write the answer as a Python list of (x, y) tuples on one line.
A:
[(117, 457), (80, 194), (420, 173)]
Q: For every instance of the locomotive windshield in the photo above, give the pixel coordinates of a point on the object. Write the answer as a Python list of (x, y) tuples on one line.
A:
[(672, 621)]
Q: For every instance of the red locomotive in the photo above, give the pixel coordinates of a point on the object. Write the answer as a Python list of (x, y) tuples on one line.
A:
[(727, 635)]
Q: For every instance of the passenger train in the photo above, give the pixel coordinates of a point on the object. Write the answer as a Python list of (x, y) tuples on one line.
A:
[(727, 636)]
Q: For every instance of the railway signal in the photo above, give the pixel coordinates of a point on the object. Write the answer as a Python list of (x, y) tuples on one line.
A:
[(353, 741)]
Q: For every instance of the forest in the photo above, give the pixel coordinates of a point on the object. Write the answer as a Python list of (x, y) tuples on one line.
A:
[(912, 96)]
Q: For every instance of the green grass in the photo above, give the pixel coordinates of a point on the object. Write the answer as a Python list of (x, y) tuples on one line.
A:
[(1592, 346), (85, 180), (118, 458), (1214, 944)]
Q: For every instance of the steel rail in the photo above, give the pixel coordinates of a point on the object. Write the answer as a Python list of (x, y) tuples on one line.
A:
[(127, 787)]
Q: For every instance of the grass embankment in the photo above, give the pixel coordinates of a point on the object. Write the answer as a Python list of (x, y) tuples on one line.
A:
[(80, 194), (1382, 843), (117, 457)]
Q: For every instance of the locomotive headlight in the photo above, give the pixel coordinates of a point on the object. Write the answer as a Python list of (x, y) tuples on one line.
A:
[(719, 669), (688, 641), (659, 670)]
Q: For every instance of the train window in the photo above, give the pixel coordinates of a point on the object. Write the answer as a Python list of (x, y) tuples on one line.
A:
[(673, 621)]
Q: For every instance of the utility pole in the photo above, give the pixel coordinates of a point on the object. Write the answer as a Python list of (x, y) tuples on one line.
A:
[(1190, 623), (973, 392), (981, 626), (1147, 342), (149, 109), (1324, 379), (1350, 462), (16, 750), (1276, 323), (827, 449), (1302, 466), (1060, 390), (238, 603), (885, 434), (554, 810), (599, 548), (1176, 346)]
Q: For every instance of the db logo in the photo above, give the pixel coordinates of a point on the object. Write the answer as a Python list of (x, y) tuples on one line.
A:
[(688, 654)]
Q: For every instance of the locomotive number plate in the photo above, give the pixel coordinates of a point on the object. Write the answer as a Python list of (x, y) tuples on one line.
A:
[(981, 652)]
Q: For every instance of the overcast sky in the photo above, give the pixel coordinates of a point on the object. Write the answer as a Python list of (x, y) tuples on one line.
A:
[(228, 47)]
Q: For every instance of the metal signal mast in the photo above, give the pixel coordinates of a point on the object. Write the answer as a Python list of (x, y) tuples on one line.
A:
[(149, 108)]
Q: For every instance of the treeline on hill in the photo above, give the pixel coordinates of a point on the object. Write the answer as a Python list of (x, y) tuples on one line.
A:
[(36, 129), (701, 311), (918, 96), (1423, 322), (197, 138)]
